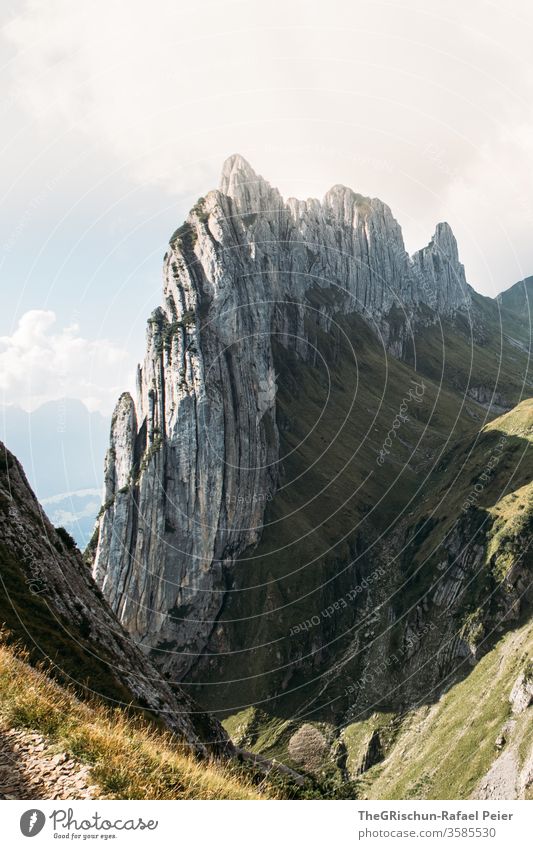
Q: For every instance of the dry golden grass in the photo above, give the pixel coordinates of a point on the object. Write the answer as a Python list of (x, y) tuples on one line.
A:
[(129, 758)]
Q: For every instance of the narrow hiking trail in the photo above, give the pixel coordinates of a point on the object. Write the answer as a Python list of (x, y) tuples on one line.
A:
[(31, 768)]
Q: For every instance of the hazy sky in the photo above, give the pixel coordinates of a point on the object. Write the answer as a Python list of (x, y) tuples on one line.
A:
[(116, 116)]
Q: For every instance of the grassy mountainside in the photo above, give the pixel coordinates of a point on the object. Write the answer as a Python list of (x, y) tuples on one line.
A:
[(440, 750), (128, 758), (468, 580), (323, 530), (515, 304), (474, 528), (444, 751), (483, 354), (340, 515)]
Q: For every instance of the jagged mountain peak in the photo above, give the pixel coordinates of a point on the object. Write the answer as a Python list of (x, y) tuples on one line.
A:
[(440, 277), (236, 173)]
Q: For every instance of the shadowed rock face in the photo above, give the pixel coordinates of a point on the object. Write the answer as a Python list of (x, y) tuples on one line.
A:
[(53, 607), (193, 463)]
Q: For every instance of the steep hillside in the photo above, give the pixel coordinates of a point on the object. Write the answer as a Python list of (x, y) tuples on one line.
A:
[(55, 746), (50, 604), (482, 355), (516, 301), (337, 512), (475, 741), (437, 670)]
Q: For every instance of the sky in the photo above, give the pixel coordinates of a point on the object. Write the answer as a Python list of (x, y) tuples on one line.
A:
[(117, 116)]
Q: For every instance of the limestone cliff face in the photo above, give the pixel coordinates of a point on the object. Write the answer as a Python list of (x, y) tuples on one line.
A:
[(193, 462)]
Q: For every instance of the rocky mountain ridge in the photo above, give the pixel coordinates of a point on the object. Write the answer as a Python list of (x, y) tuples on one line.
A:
[(193, 464)]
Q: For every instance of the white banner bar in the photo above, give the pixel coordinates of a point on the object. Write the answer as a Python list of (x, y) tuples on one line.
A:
[(254, 825)]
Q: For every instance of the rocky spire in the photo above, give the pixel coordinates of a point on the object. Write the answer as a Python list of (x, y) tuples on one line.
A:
[(237, 173), (248, 191), (440, 273)]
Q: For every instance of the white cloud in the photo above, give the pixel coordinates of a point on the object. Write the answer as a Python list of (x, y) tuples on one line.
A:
[(40, 363), (408, 102)]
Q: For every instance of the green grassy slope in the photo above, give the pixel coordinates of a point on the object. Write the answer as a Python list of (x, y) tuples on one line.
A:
[(128, 758), (442, 751), (483, 354)]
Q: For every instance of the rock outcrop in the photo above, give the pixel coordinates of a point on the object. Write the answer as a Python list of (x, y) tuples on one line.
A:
[(194, 461), (522, 693), (440, 274)]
